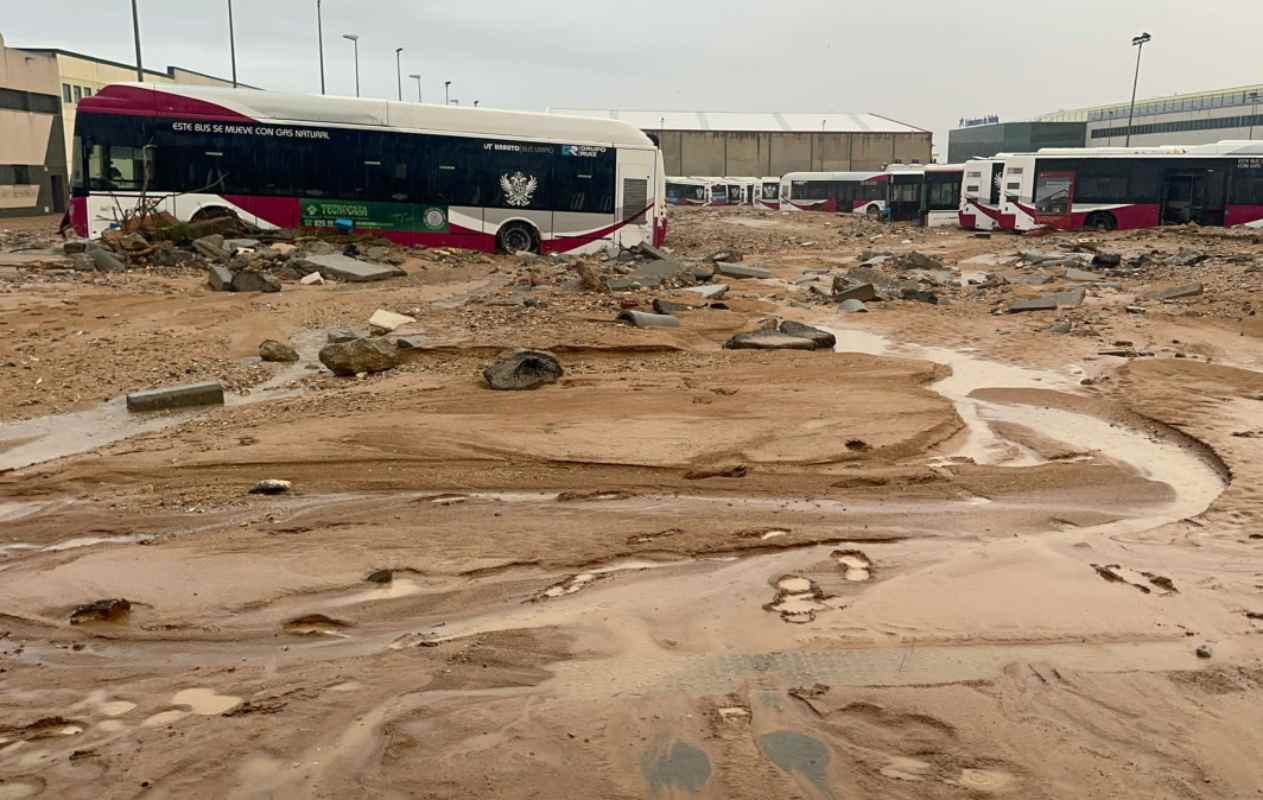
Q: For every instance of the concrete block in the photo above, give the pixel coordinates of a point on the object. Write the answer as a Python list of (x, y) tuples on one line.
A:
[(741, 271), (865, 293), (1048, 303), (338, 267), (642, 320), (202, 394), (1071, 299), (853, 306), (220, 278), (389, 320), (1191, 290), (711, 291)]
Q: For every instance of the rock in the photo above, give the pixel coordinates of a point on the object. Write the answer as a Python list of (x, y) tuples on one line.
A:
[(652, 252), (114, 610), (1070, 299), (1191, 290), (359, 355), (342, 336), (75, 247), (589, 277), (711, 291), (1060, 327), (201, 394), (853, 306), (765, 340), (220, 278), (617, 284), (725, 471), (1187, 259), (523, 369), (410, 343), (312, 279), (1081, 275), (234, 245), (1136, 310), (823, 339), (1107, 260), (726, 255), (919, 295), (255, 282), (337, 267), (381, 576), (278, 352), (642, 320), (106, 261), (388, 321), (272, 486), (917, 260), (1031, 279), (666, 307), (1036, 304), (84, 262), (741, 272), (1205, 651), (212, 248), (842, 290)]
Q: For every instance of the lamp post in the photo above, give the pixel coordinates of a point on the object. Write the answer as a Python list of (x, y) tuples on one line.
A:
[(354, 39), (447, 93), (399, 71), (1254, 111), (417, 78), (320, 35), (140, 66), (232, 45), (476, 102), (1139, 43)]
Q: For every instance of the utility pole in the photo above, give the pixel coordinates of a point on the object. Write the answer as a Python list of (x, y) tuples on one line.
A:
[(232, 45), (1139, 43), (399, 72), (447, 93), (417, 78), (140, 65), (320, 34), (355, 40)]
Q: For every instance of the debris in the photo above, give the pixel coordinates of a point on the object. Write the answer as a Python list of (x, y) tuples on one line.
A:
[(313, 279), (114, 610), (388, 321), (1136, 310), (711, 291), (212, 247), (725, 471), (741, 272), (220, 278), (337, 267), (919, 295), (272, 350), (1205, 651), (202, 394), (1190, 259), (726, 256), (1048, 303), (652, 252), (642, 320), (233, 246), (666, 307), (410, 343), (916, 260), (106, 261), (617, 284), (853, 307), (823, 339), (1107, 260), (359, 355), (866, 292), (342, 336), (524, 369), (1081, 275), (246, 281), (1060, 327), (1070, 299), (272, 486), (589, 277), (1191, 290), (768, 340)]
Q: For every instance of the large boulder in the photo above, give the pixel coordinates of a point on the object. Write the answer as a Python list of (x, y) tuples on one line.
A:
[(523, 369), (360, 355), (768, 340), (246, 281), (279, 352)]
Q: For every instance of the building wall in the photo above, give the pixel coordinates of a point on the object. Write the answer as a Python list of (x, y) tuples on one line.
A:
[(983, 141), (744, 154), (33, 175), (1182, 128)]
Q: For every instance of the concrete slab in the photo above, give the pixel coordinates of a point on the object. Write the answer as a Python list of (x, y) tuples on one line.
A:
[(711, 291), (1191, 290), (853, 306), (389, 320), (764, 340), (865, 293), (642, 320), (202, 394), (1081, 275), (740, 271), (220, 278), (1036, 304), (1071, 299), (338, 267), (411, 342)]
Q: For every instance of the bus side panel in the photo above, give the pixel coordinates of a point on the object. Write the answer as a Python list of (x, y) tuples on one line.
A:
[(1249, 215), (635, 196)]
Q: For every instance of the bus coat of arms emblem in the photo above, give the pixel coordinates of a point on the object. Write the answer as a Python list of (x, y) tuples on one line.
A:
[(518, 189)]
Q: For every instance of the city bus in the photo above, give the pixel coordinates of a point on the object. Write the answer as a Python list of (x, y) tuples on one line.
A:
[(858, 192), (686, 192), (927, 195), (1140, 187), (415, 174), (981, 195), (767, 194), (940, 199)]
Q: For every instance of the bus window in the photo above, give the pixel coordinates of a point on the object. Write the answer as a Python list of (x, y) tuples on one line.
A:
[(1052, 193), (585, 182), (120, 167), (452, 180)]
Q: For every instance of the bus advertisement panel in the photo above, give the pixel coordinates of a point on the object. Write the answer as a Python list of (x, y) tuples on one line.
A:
[(415, 174)]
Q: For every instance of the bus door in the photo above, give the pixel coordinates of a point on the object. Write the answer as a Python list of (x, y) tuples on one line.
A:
[(905, 198), (1193, 195), (1054, 198)]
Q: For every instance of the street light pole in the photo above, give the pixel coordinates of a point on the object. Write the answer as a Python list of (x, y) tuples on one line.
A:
[(320, 34), (355, 40), (399, 72), (417, 78), (232, 45), (447, 93), (1139, 43), (140, 65)]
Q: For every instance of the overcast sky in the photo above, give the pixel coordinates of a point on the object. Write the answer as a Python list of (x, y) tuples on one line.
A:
[(921, 62)]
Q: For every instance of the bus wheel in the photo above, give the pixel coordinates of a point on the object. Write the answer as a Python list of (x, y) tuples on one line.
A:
[(518, 237), (873, 212), (1101, 221)]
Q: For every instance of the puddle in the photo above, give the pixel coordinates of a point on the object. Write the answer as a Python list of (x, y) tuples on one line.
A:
[(856, 567), (798, 754), (116, 708), (164, 718), (798, 600), (205, 702), (986, 780), (683, 767), (91, 541), (571, 585), (576, 583)]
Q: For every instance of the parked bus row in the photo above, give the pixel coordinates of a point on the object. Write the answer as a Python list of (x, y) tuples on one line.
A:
[(415, 174), (1115, 188), (692, 191), (928, 195)]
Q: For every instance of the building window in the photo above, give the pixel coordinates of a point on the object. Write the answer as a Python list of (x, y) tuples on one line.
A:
[(22, 175), (87, 92), (78, 93), (65, 93)]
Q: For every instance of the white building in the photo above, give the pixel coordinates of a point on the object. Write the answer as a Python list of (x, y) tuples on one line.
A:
[(1183, 119)]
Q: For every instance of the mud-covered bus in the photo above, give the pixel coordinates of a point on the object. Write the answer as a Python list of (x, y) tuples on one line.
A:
[(687, 192), (767, 194), (1138, 187), (981, 195), (928, 195), (844, 192), (415, 174)]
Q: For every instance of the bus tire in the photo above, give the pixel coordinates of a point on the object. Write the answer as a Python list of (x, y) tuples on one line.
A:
[(872, 212), (1101, 221), (518, 237)]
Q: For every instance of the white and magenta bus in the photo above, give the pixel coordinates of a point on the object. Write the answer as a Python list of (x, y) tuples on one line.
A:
[(927, 195), (415, 174), (858, 192), (982, 196), (687, 192), (940, 199), (1139, 187), (767, 194)]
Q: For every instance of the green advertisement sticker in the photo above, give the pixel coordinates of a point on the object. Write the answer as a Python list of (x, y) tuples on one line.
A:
[(406, 217)]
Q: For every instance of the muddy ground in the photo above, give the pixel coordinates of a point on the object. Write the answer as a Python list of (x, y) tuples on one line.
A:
[(968, 554)]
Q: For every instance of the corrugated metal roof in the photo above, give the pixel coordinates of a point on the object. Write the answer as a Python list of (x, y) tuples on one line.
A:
[(760, 122)]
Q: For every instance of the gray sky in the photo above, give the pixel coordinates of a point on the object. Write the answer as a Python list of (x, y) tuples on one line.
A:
[(925, 63)]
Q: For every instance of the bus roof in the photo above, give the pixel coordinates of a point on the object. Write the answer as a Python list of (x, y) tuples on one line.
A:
[(830, 176), (1229, 148), (222, 104)]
